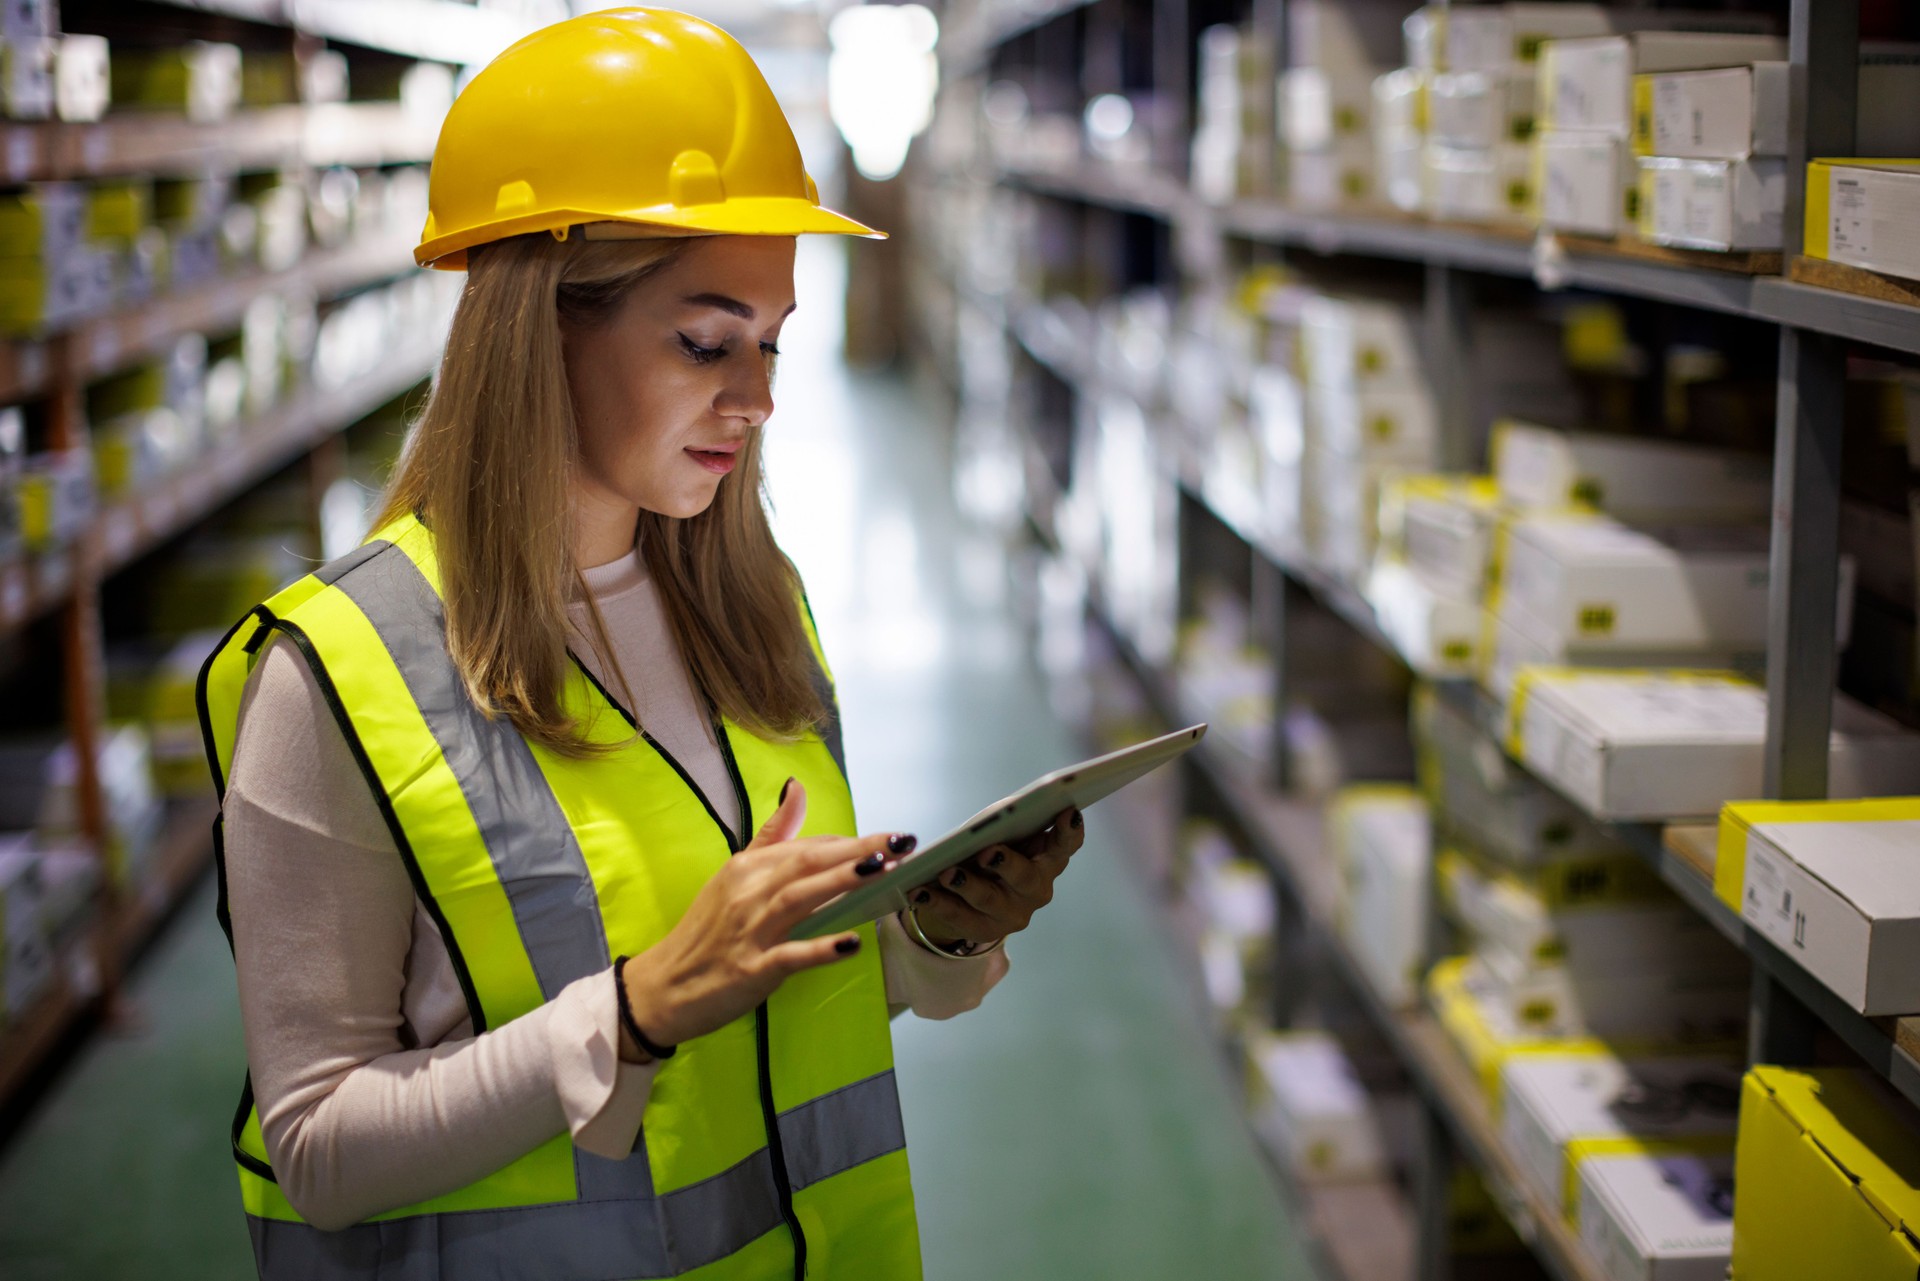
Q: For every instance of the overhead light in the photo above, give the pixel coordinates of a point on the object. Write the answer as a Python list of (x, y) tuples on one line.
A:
[(881, 78)]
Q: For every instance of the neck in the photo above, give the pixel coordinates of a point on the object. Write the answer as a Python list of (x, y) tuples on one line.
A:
[(603, 526)]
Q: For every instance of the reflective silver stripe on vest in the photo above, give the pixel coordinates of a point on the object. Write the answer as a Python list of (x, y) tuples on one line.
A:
[(829, 725), (528, 838), (588, 1240), (838, 1131)]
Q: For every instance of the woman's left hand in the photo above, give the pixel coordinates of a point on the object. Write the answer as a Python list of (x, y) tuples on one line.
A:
[(996, 892)]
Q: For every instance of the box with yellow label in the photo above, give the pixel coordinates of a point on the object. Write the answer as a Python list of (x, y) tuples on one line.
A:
[(1437, 634), (1311, 1107), (1360, 340), (1479, 184), (1827, 1178), (1486, 1035), (1836, 886), (1588, 83), (1669, 744), (1381, 839), (1632, 478), (1561, 1109), (1604, 585), (1863, 212), (1481, 109), (1383, 423), (1718, 205)]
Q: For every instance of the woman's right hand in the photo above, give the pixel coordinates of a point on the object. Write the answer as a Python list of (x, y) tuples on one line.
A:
[(730, 951)]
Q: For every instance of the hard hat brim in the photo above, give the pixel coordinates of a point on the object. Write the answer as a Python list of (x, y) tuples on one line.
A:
[(750, 216)]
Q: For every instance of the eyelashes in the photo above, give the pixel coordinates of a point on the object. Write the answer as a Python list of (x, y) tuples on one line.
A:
[(707, 355)]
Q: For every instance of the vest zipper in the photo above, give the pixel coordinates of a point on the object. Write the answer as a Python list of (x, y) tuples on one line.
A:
[(763, 1042)]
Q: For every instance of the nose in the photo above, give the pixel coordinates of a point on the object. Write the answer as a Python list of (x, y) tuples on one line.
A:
[(748, 393)]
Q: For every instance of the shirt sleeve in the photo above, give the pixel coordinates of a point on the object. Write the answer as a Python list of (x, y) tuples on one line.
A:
[(357, 1119), (931, 985)]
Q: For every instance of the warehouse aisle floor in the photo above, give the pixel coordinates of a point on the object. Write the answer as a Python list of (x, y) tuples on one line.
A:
[(1076, 1126)]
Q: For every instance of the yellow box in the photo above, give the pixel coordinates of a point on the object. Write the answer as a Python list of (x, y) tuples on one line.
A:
[(1827, 1173), (1879, 199), (1482, 1040)]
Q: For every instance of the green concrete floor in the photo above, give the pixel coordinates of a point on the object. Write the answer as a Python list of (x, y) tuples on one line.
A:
[(1078, 1125)]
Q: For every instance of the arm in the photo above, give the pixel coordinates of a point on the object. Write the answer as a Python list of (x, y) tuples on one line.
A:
[(931, 985), (355, 1121)]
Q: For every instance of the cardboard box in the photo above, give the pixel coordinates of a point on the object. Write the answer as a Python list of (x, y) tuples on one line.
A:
[(1378, 422), (1587, 83), (1836, 886), (1495, 37), (1481, 109), (1862, 213), (1519, 642), (1442, 526), (1658, 1218), (1399, 104), (1593, 582), (1826, 1178), (1382, 844), (1400, 167), (1661, 1008), (1582, 179), (1562, 1109), (1345, 36), (1644, 482), (81, 79), (1346, 341), (1727, 113), (1437, 634), (1487, 800), (1603, 912), (1480, 184), (1712, 204), (27, 76), (198, 78), (1677, 744), (1311, 1107), (1319, 109), (1487, 1036), (1339, 177)]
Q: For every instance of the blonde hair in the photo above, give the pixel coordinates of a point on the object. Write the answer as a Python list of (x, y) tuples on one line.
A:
[(489, 468)]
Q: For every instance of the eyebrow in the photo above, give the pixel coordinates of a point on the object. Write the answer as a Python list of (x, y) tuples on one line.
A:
[(732, 306)]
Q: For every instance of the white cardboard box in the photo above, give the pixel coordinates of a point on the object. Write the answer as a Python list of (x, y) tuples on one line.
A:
[(1842, 897), (1863, 213), (1379, 422), (1591, 581), (1713, 204), (1556, 1105), (1437, 634), (1383, 847), (1443, 527), (1342, 36), (1588, 83), (1493, 184), (1726, 113), (1658, 1218), (1481, 108), (1671, 744), (1520, 642), (1319, 108), (1359, 340), (1636, 480), (1582, 181), (1657, 1007), (1339, 177), (1313, 1109), (1494, 37)]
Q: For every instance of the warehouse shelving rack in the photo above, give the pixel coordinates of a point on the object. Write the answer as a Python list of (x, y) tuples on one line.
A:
[(1816, 325), (66, 583)]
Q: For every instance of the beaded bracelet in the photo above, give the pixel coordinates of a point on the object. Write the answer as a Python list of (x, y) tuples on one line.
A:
[(626, 1016)]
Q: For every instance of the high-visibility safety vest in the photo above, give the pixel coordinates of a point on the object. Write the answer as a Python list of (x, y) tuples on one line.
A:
[(771, 1148)]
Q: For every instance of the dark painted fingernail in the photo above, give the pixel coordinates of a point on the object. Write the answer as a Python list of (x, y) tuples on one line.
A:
[(848, 946), (902, 843), (784, 788), (1076, 818), (959, 877), (999, 857), (870, 864), (924, 897)]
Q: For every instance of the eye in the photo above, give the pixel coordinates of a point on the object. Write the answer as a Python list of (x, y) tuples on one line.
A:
[(768, 350), (701, 355)]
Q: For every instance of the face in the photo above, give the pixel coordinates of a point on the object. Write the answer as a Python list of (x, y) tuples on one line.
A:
[(668, 388)]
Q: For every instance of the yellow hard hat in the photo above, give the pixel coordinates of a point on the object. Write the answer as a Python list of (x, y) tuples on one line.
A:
[(643, 117)]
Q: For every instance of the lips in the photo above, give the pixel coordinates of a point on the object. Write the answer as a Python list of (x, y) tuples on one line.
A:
[(718, 459)]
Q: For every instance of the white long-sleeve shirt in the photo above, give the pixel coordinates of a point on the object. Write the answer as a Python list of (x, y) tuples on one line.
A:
[(373, 1090)]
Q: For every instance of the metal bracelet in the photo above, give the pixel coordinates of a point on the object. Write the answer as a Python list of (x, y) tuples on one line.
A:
[(960, 950)]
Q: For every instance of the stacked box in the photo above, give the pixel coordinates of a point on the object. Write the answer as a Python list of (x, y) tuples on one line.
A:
[(1311, 1108), (1587, 180), (51, 275), (1658, 1218), (1428, 583), (1231, 899), (1381, 842), (1326, 99), (200, 79), (1561, 1110)]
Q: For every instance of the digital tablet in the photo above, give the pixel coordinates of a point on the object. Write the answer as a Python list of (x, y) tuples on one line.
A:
[(1027, 811)]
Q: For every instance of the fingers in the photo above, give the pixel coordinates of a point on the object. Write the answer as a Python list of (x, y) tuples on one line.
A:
[(807, 954), (984, 894), (944, 914), (784, 823), (800, 896), (1018, 873), (1058, 843)]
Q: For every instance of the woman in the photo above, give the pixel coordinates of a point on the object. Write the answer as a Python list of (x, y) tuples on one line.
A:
[(521, 736)]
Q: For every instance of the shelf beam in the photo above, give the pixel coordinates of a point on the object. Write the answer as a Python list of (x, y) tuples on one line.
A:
[(1823, 90)]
